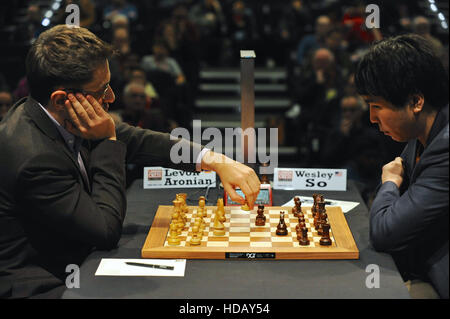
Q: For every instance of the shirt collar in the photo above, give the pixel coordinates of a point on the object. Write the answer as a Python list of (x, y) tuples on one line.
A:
[(73, 142)]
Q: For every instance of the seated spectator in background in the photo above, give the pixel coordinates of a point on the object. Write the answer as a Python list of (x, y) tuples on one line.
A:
[(352, 144), (357, 34), (295, 22), (334, 41), (422, 27), (319, 87), (137, 74), (241, 27), (160, 61), (30, 29), (6, 101), (120, 61), (120, 21), (121, 41), (313, 41), (136, 103), (138, 110), (317, 92), (120, 7), (210, 20)]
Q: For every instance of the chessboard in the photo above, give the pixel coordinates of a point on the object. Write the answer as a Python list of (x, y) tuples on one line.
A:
[(241, 238)]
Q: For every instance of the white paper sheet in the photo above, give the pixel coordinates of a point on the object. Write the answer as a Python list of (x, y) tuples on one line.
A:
[(118, 267), (308, 201)]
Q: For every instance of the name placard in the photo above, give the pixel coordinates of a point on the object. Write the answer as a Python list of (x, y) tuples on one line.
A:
[(161, 177), (310, 179)]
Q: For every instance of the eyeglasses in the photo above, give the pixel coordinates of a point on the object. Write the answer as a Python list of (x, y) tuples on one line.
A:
[(96, 95)]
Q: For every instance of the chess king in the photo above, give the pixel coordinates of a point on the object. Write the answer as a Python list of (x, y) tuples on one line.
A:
[(406, 87)]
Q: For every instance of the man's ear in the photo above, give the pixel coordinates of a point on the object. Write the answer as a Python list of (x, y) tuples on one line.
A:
[(417, 103), (57, 100)]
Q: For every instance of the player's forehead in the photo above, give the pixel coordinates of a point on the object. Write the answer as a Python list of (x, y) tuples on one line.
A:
[(371, 99)]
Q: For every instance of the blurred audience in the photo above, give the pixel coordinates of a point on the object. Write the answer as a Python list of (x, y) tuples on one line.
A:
[(310, 42), (296, 21), (422, 27), (161, 61), (162, 46), (120, 7)]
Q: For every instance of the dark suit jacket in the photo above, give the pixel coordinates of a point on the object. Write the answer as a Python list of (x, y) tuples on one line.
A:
[(412, 223), (49, 216)]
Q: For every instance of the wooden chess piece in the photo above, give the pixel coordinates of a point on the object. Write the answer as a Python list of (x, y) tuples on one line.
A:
[(245, 206), (314, 206), (260, 218), (201, 205), (178, 209), (281, 228), (200, 224), (294, 211), (173, 239), (301, 223), (195, 240), (221, 210), (219, 228), (298, 207), (183, 206), (303, 238), (322, 221), (325, 240)]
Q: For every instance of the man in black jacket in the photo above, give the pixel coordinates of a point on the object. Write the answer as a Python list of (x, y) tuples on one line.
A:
[(406, 87), (62, 166)]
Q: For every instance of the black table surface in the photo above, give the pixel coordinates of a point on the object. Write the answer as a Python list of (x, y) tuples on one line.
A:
[(242, 279)]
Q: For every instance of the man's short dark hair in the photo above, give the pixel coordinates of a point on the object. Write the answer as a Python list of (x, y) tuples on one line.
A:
[(63, 56), (399, 67)]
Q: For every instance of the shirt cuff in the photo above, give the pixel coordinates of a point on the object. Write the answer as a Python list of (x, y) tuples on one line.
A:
[(198, 166)]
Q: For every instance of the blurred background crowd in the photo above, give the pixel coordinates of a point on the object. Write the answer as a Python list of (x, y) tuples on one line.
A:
[(171, 53)]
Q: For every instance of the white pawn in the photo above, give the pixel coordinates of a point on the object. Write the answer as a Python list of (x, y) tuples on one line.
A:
[(195, 240)]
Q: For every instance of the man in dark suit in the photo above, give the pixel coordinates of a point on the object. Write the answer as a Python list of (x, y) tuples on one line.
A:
[(406, 87), (62, 165)]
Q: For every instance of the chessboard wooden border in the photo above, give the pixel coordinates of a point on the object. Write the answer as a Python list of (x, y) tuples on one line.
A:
[(154, 243)]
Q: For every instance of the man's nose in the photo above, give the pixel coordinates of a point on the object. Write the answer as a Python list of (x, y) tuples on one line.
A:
[(373, 117), (110, 97)]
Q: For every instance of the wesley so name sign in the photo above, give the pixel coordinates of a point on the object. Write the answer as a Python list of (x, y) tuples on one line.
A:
[(161, 177), (310, 179)]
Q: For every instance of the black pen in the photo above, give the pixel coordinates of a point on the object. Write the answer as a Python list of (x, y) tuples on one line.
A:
[(150, 265)]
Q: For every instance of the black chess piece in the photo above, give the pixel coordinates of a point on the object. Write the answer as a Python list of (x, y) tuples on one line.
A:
[(301, 223), (302, 237), (325, 240), (260, 218), (281, 228)]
